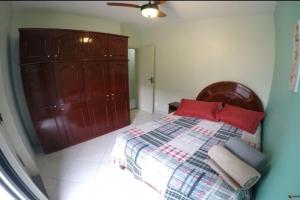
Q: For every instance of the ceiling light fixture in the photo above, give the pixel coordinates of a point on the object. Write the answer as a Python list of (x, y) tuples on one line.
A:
[(149, 10)]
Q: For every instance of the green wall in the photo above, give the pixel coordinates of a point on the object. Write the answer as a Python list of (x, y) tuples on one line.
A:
[(282, 126)]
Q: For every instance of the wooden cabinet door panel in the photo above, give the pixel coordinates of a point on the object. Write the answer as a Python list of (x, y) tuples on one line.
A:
[(50, 129), (67, 45), (119, 93), (95, 46), (72, 102), (69, 101), (39, 85), (69, 79), (34, 46), (76, 122), (117, 47), (97, 95)]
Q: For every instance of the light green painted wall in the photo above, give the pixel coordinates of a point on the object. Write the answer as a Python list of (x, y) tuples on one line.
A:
[(47, 19), (192, 54), (281, 141)]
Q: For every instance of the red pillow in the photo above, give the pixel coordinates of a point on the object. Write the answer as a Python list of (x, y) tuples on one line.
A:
[(199, 109), (247, 120)]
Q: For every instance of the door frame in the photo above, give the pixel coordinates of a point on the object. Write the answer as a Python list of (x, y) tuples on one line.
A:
[(154, 77), (135, 82), (153, 73)]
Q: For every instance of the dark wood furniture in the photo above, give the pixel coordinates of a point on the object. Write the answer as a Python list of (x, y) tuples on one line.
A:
[(227, 92), (232, 93), (75, 82), (173, 106)]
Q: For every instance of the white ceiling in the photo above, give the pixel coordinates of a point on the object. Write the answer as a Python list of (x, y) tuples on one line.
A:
[(176, 10)]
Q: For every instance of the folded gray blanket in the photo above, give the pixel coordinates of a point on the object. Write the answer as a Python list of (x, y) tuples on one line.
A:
[(246, 153)]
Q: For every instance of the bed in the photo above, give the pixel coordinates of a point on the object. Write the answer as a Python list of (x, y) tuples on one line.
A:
[(168, 154)]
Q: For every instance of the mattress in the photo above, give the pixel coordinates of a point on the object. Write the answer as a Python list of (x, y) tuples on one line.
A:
[(169, 155)]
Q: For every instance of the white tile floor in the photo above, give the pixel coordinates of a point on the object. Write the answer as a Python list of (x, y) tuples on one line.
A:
[(84, 171)]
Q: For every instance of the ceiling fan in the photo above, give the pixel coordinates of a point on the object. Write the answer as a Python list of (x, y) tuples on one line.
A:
[(149, 10)]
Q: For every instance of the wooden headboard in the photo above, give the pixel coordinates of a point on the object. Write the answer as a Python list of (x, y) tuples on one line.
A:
[(232, 93)]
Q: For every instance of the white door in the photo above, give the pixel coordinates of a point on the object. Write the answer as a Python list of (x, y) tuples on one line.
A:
[(145, 78)]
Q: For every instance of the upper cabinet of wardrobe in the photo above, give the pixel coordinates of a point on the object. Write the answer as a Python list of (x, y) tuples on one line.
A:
[(41, 45), (95, 45), (117, 47), (66, 45), (34, 46)]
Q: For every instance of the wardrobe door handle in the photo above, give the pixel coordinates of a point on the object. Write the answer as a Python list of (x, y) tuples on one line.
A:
[(105, 55), (112, 96), (50, 106), (110, 55)]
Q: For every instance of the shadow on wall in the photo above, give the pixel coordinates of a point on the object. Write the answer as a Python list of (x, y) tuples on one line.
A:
[(18, 91)]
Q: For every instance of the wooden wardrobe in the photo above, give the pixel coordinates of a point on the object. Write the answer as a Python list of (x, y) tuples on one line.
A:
[(76, 84)]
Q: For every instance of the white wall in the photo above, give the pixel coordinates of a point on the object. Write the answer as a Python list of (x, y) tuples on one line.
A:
[(134, 41), (191, 55), (134, 34), (51, 19), (16, 136)]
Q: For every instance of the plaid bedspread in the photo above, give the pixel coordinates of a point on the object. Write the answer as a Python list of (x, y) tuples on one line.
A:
[(169, 154)]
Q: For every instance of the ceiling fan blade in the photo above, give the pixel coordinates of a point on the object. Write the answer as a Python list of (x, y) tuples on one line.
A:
[(161, 14), (123, 5), (159, 2)]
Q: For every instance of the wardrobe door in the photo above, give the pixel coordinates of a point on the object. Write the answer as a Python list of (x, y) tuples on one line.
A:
[(70, 87), (66, 45), (117, 47), (34, 46), (97, 96), (119, 93), (95, 46), (39, 87), (49, 126)]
